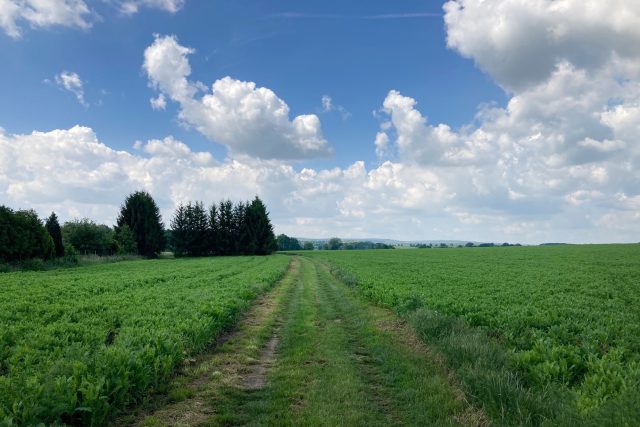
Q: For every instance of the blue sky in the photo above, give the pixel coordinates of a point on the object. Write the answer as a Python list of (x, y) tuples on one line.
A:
[(352, 52), (503, 120)]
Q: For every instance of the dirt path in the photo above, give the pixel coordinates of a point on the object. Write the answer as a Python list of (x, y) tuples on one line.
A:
[(312, 352)]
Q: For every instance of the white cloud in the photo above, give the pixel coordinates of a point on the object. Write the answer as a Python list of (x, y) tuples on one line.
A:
[(247, 119), (158, 103), (14, 14), (520, 43), (130, 7), (327, 103), (42, 14), (72, 172), (382, 144), (328, 106), (566, 142), (559, 162), (73, 83)]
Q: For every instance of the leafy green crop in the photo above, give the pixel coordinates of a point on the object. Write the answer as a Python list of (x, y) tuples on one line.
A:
[(77, 344), (568, 315)]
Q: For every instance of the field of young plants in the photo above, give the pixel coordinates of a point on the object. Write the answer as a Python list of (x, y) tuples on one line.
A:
[(566, 318), (77, 344)]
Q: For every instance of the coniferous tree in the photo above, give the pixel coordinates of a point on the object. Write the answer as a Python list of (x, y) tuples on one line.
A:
[(262, 240), (214, 231), (225, 224), (141, 213), (239, 230), (178, 231), (198, 229), (53, 227), (225, 229)]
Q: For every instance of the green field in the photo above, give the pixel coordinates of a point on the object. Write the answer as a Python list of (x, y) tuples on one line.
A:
[(457, 336), (77, 344), (567, 317)]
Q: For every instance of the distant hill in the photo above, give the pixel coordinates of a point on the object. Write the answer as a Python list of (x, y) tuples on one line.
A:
[(392, 242)]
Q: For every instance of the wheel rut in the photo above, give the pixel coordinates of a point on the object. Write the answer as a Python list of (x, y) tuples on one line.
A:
[(313, 352)]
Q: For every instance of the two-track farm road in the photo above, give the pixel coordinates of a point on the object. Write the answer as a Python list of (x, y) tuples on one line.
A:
[(312, 352)]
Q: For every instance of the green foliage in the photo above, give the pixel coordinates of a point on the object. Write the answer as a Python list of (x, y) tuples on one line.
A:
[(286, 243), (23, 236), (365, 245), (53, 227), (308, 246), (566, 315), (190, 230), (125, 240), (224, 229), (88, 238), (226, 239), (78, 344), (334, 244), (260, 237), (142, 215)]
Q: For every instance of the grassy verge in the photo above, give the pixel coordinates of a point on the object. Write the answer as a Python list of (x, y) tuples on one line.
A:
[(492, 380)]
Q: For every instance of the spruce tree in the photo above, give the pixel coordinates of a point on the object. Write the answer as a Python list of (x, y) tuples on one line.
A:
[(225, 224), (141, 213), (198, 229), (213, 234), (260, 240), (239, 231), (53, 227), (179, 231)]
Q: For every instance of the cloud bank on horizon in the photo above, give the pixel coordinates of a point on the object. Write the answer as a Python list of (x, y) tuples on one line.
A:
[(560, 161)]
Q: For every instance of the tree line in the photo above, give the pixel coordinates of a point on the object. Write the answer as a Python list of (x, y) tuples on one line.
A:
[(335, 244), (222, 229), (139, 230), (286, 243)]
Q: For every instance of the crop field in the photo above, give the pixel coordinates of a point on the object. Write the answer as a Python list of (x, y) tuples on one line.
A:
[(567, 317), (464, 336), (77, 344)]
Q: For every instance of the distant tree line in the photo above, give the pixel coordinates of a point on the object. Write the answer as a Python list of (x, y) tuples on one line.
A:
[(286, 243), (222, 229), (337, 244), (459, 245)]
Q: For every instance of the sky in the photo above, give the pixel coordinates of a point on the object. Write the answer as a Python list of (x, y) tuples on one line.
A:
[(495, 120)]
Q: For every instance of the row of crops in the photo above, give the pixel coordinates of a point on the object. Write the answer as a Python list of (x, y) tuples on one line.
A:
[(77, 344), (566, 315)]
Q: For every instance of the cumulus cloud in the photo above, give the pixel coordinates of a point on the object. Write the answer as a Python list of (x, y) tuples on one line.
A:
[(565, 145), (14, 14), (72, 172), (247, 119), (520, 43), (559, 162), (73, 83), (42, 14)]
